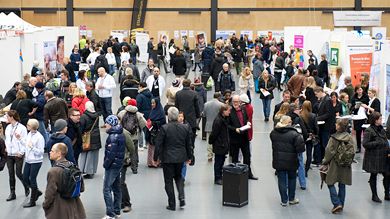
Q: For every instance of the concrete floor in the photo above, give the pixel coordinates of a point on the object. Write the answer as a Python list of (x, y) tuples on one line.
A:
[(203, 198)]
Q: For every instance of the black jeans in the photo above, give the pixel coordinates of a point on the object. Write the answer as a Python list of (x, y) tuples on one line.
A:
[(125, 191), (359, 133), (309, 153), (172, 171), (219, 160), (30, 173), (278, 77), (12, 163), (386, 181), (244, 146), (162, 59)]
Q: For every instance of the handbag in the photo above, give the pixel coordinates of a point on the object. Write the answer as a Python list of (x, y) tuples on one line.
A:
[(86, 137)]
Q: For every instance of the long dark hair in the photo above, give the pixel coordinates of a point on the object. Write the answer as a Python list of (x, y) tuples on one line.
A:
[(306, 111)]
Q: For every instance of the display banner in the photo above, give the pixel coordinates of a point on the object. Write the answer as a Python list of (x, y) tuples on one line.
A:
[(298, 41), (224, 34), (359, 64), (387, 92), (139, 13), (142, 40), (357, 18)]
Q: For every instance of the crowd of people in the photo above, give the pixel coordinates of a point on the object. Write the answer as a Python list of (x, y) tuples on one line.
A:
[(58, 113)]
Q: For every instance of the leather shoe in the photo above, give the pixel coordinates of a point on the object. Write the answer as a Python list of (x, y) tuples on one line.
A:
[(11, 197), (171, 208), (253, 177), (218, 182)]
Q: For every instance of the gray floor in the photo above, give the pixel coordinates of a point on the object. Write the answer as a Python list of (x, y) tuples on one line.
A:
[(203, 197)]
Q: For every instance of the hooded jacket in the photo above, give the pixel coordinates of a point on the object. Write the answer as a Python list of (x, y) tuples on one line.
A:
[(114, 153), (144, 99), (337, 173), (287, 143), (133, 109), (62, 138)]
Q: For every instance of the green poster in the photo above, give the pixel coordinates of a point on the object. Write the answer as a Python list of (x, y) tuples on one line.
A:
[(334, 56)]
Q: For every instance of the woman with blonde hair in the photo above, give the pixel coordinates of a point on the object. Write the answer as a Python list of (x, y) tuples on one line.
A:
[(245, 82), (339, 80), (82, 80), (69, 95), (79, 100), (309, 91), (284, 109)]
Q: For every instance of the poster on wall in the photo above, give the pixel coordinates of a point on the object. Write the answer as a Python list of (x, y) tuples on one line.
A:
[(201, 40), (375, 78), (183, 33), (176, 34), (50, 56), (334, 56), (191, 34), (60, 50), (249, 33), (298, 41), (360, 64), (387, 91), (224, 34), (142, 40), (163, 36)]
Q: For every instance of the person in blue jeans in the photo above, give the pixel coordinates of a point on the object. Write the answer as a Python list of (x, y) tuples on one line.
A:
[(267, 84), (113, 161), (287, 143), (301, 172), (341, 174)]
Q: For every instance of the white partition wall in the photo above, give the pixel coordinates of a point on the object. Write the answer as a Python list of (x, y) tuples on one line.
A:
[(10, 63)]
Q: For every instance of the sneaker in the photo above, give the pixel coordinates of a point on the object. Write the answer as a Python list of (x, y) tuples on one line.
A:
[(117, 216), (108, 217), (141, 149), (283, 204), (337, 209), (294, 202)]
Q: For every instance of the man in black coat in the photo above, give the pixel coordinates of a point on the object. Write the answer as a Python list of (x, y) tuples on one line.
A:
[(173, 148), (10, 96), (217, 63), (150, 48), (93, 97), (129, 88), (239, 138), (326, 117), (187, 101), (101, 61), (74, 132)]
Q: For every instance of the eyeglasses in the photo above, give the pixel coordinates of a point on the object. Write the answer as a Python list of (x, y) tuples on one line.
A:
[(76, 115)]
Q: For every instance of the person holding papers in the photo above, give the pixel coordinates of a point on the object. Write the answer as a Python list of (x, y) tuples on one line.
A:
[(267, 84), (358, 100), (238, 134)]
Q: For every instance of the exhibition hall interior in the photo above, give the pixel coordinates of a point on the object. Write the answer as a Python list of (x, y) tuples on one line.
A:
[(194, 109)]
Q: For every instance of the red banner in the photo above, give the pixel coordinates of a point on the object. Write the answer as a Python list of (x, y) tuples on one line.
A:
[(360, 64)]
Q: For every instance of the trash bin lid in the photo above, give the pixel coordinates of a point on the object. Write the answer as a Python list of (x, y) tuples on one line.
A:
[(236, 168)]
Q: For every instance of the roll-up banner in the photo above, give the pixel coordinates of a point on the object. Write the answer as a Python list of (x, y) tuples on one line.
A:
[(139, 13)]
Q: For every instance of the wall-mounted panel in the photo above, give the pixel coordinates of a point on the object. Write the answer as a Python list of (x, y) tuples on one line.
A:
[(253, 20), (102, 23), (103, 3), (171, 21), (376, 3), (43, 3), (45, 19), (285, 3), (179, 3)]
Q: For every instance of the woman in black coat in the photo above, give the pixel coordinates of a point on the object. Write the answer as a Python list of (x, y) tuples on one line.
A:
[(179, 64), (358, 99), (89, 122), (323, 70), (377, 155), (25, 107), (219, 138), (374, 105)]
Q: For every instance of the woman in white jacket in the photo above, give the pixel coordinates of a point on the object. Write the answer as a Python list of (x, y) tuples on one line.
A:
[(246, 83), (111, 61), (34, 145)]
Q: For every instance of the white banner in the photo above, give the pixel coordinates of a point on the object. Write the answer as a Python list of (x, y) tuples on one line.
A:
[(357, 18), (142, 40)]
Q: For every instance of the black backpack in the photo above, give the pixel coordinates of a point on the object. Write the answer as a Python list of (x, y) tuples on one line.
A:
[(72, 181), (130, 122)]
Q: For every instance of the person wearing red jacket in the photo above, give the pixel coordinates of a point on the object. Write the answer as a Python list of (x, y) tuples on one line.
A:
[(79, 100), (249, 111)]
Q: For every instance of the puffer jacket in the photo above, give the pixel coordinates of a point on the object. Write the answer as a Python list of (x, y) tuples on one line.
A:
[(133, 109), (219, 136), (287, 143), (376, 158), (216, 66), (144, 99), (61, 138), (79, 103), (87, 120), (114, 153)]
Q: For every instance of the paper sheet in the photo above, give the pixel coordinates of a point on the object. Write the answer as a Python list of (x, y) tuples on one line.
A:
[(265, 93), (360, 115), (245, 127)]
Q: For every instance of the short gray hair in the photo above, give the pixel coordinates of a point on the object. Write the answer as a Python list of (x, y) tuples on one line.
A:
[(173, 114)]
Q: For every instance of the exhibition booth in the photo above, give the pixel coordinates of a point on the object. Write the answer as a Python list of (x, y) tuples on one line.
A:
[(22, 43)]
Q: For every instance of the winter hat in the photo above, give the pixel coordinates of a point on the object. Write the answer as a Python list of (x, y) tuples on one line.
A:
[(39, 85), (89, 107), (125, 101), (112, 120), (197, 82), (176, 83), (244, 98), (132, 102), (60, 124)]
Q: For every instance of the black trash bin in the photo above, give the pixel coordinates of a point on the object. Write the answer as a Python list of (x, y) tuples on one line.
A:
[(235, 185)]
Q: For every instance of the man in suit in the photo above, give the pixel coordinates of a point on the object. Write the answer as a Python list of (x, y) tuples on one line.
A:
[(187, 101), (239, 138), (327, 116), (286, 99), (162, 53)]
